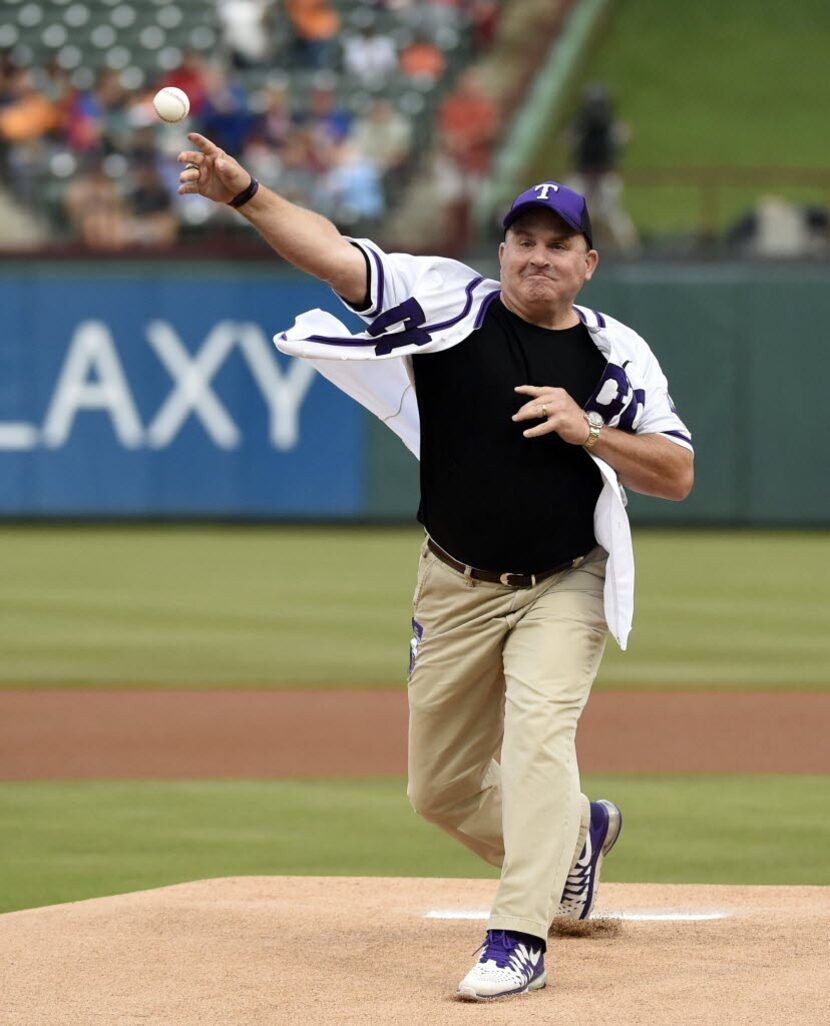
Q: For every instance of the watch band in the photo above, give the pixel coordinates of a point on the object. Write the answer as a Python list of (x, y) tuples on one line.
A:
[(594, 429)]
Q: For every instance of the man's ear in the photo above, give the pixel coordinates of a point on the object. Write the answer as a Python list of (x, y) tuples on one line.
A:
[(501, 253), (591, 262)]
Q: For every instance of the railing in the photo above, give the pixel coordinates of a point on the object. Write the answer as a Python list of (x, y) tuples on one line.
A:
[(716, 195)]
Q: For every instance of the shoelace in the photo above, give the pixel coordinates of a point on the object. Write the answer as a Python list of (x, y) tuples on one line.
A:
[(497, 947), (500, 948)]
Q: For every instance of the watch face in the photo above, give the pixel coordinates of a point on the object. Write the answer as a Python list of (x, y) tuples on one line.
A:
[(595, 419)]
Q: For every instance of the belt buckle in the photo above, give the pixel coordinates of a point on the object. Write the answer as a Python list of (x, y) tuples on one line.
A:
[(509, 584)]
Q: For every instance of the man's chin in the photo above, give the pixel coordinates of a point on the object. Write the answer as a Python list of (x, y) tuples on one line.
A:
[(538, 287)]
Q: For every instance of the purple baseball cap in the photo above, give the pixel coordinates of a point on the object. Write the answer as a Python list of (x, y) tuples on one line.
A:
[(569, 205)]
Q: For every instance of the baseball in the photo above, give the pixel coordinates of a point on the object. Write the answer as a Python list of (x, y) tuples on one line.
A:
[(171, 104)]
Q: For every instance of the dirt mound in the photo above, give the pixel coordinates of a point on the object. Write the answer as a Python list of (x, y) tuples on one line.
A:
[(316, 951)]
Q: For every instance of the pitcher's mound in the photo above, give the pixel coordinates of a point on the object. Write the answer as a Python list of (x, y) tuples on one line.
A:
[(279, 951)]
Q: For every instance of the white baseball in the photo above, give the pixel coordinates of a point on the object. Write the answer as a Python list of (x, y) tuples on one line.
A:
[(171, 104)]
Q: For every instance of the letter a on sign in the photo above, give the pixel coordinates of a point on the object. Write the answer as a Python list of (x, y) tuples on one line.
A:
[(545, 188)]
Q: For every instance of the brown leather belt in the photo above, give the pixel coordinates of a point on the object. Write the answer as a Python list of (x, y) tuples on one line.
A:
[(508, 579)]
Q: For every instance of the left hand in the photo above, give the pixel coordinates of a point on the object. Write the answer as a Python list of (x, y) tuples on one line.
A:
[(559, 412)]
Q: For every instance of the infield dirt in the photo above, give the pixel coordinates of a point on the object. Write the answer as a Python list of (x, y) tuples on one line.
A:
[(133, 734), (311, 951)]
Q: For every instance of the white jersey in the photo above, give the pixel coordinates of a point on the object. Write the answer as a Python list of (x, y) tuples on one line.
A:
[(426, 304)]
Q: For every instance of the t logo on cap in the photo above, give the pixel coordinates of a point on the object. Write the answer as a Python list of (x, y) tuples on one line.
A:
[(569, 205), (545, 188)]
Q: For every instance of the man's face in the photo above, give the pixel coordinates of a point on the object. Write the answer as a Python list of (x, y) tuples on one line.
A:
[(543, 262)]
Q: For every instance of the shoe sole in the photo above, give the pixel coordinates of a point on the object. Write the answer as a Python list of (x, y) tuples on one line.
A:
[(469, 994)]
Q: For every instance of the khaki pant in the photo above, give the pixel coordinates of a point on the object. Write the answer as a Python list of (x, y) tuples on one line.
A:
[(498, 668)]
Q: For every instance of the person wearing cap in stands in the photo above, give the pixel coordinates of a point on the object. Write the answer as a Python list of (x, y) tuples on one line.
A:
[(530, 414)]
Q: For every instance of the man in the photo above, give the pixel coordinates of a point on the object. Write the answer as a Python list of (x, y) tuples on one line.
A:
[(528, 412)]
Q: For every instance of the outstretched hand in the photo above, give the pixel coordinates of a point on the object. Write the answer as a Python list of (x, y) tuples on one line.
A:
[(216, 175), (558, 411)]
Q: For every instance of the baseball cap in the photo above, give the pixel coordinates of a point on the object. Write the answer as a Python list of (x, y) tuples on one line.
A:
[(569, 205)]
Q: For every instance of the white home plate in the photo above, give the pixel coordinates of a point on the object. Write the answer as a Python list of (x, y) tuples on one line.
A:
[(635, 917)]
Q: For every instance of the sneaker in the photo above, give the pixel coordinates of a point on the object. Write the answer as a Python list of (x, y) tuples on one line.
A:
[(581, 886), (507, 966)]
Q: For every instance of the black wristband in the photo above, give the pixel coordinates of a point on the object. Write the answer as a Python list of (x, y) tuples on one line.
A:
[(245, 195)]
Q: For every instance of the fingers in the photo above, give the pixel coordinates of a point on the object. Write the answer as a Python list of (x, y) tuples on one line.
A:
[(534, 409), (189, 178), (205, 145), (550, 405), (531, 389), (540, 429)]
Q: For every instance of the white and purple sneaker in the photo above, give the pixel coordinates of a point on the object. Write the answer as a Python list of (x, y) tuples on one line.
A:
[(508, 965), (581, 886)]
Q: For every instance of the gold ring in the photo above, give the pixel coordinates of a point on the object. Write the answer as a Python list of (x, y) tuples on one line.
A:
[(544, 411), (191, 167)]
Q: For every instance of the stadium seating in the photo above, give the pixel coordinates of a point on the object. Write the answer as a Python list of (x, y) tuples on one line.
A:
[(142, 41)]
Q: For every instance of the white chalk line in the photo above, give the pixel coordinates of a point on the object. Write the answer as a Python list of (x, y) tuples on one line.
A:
[(633, 917)]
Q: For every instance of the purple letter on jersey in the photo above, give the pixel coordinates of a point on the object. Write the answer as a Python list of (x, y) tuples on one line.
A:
[(616, 401)]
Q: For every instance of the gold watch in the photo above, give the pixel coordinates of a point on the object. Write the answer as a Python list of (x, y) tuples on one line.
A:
[(595, 425)]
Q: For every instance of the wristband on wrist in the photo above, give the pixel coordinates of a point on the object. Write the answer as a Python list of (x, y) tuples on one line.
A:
[(241, 198)]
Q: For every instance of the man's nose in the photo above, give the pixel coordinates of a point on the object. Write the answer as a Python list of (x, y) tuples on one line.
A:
[(539, 257)]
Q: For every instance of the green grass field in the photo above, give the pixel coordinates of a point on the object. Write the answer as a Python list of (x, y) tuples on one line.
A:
[(279, 607), (712, 84), (68, 841)]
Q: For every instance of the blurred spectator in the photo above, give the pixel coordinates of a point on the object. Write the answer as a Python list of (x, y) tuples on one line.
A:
[(423, 60), (96, 209), (191, 77), (371, 57), (432, 16), (597, 138), (468, 122), (298, 166), (98, 120), (327, 122), (26, 113), (264, 161), (225, 116), (315, 24), (144, 142), (383, 136), (484, 15), (351, 190), (275, 119), (151, 221), (8, 70), (244, 31)]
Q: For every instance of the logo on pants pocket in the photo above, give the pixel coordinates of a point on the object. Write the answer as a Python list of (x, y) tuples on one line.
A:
[(415, 641)]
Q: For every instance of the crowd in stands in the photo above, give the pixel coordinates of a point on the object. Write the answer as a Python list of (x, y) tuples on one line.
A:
[(87, 149)]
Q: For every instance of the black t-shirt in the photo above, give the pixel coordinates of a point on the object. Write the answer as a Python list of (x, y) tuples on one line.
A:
[(489, 496)]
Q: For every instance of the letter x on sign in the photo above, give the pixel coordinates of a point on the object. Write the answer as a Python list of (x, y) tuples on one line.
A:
[(192, 393)]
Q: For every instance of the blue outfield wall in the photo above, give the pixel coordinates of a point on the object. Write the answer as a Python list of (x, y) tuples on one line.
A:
[(143, 389), (149, 391)]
